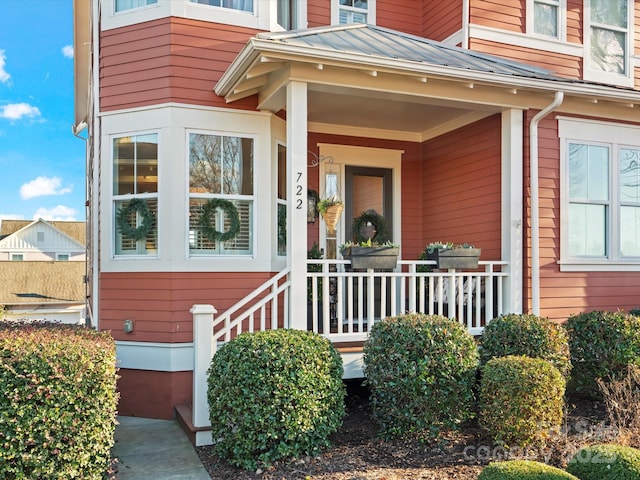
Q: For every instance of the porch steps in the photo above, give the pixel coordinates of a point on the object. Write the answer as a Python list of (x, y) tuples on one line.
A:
[(351, 353)]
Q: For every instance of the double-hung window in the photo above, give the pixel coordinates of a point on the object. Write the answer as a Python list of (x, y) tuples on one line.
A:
[(353, 11), (122, 5), (601, 193), (608, 39), (135, 194), (221, 194), (242, 5)]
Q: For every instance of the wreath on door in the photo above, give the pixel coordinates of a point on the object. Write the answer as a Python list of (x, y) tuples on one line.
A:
[(139, 207), (231, 212), (373, 219)]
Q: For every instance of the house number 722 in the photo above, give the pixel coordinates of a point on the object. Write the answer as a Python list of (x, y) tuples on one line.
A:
[(299, 190)]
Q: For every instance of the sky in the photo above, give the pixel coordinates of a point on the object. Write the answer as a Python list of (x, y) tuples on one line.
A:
[(42, 164)]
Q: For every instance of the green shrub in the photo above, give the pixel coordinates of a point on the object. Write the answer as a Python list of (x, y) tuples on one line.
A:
[(57, 401), (635, 311), (606, 462), (521, 399), (602, 344), (526, 334), (421, 370), (274, 395), (523, 470)]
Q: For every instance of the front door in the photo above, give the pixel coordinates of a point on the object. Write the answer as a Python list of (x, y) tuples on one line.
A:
[(367, 189)]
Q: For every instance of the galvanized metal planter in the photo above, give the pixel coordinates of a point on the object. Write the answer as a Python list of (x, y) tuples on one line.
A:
[(372, 257), (459, 258)]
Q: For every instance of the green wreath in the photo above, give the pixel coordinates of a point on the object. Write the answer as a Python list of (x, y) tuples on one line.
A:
[(375, 219), (208, 210), (124, 214)]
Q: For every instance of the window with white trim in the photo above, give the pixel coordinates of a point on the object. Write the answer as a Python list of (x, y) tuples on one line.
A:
[(546, 18), (281, 201), (287, 12), (135, 194), (241, 5), (609, 39), (122, 5), (220, 173), (353, 11), (62, 257), (602, 193), (17, 257)]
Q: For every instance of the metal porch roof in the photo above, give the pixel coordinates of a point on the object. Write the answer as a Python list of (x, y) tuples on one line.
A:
[(384, 43)]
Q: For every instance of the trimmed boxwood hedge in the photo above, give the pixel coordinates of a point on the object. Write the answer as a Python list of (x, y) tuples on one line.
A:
[(57, 401), (602, 344), (521, 399), (606, 462), (421, 370), (526, 334), (523, 470), (274, 395)]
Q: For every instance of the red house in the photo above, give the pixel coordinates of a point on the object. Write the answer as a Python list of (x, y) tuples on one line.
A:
[(214, 126)]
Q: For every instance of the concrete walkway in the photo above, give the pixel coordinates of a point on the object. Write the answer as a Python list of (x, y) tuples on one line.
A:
[(155, 450)]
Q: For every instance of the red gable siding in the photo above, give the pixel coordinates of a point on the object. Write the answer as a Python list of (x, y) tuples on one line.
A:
[(401, 16), (461, 197), (167, 60), (318, 13)]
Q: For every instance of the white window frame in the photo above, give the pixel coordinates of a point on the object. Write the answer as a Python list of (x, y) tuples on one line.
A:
[(336, 7), (150, 3), (17, 257), (609, 77), (614, 136), (127, 197), (253, 11), (59, 257), (561, 20), (299, 16), (215, 254)]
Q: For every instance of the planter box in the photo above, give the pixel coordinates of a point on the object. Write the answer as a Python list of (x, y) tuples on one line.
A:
[(459, 258), (372, 257)]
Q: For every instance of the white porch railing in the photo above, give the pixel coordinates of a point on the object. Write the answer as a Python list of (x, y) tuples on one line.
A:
[(349, 309), (347, 304)]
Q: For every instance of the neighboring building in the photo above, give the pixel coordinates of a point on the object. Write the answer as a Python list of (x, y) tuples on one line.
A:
[(42, 271), (512, 125)]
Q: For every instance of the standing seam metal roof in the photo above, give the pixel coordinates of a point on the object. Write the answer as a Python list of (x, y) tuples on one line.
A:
[(380, 42)]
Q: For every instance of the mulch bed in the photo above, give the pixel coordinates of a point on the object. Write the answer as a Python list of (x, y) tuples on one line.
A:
[(358, 454)]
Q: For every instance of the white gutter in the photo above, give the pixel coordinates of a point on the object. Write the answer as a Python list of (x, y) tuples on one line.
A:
[(533, 184)]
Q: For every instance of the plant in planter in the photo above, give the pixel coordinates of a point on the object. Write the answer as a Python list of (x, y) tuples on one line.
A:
[(450, 255), (371, 248), (330, 208)]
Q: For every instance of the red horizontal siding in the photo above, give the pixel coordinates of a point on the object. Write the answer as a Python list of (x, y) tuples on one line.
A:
[(575, 21), (168, 60), (441, 19), (503, 14), (461, 187), (318, 13), (401, 16), (564, 65), (150, 394), (159, 303)]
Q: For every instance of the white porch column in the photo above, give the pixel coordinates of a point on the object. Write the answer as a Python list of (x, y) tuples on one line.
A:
[(512, 197), (297, 201)]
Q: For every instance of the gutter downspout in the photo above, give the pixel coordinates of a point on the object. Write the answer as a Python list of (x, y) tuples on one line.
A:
[(533, 184)]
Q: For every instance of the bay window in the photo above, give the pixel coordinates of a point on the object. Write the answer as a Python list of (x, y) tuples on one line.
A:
[(221, 194), (242, 5), (122, 5), (135, 194)]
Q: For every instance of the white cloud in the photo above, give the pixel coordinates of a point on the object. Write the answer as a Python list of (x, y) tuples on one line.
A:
[(4, 76), (59, 212), (43, 186), (67, 51), (16, 111)]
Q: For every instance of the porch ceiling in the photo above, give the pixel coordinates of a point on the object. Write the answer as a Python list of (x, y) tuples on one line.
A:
[(381, 83)]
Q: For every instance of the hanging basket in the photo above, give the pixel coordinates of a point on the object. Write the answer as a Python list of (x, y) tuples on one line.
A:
[(332, 214)]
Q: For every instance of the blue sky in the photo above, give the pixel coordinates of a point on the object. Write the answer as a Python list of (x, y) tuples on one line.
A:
[(42, 164)]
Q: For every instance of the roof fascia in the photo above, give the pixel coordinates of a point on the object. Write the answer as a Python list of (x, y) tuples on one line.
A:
[(258, 47)]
